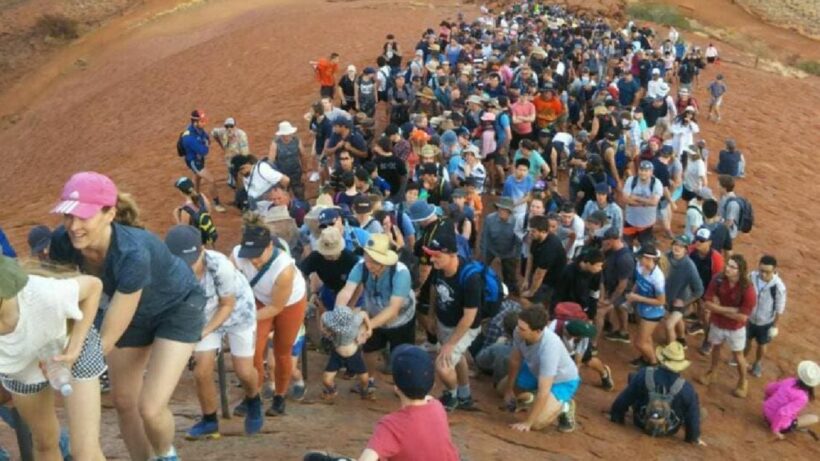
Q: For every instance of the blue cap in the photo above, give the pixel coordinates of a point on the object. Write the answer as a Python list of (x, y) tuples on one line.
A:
[(328, 216), (39, 238), (449, 137), (413, 371), (421, 210), (185, 242)]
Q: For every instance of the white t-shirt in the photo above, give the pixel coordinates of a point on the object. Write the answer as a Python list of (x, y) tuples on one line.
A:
[(45, 305), (695, 170), (262, 178), (223, 279), (683, 136), (577, 226), (694, 219), (262, 289)]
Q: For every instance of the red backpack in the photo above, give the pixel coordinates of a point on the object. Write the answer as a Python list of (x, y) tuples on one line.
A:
[(566, 311)]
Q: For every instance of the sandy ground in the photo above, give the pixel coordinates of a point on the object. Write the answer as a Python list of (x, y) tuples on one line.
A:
[(121, 113)]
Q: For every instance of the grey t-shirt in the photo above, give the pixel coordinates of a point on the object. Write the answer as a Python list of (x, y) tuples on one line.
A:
[(730, 210), (642, 216), (547, 358)]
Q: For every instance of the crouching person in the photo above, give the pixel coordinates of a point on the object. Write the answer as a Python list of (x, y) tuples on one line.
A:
[(661, 400), (348, 330), (230, 311)]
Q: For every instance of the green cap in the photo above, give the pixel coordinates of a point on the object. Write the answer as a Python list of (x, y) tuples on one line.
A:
[(683, 240), (581, 329), (12, 278)]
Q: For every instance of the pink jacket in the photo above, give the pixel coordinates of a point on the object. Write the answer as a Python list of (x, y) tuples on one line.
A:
[(782, 403)]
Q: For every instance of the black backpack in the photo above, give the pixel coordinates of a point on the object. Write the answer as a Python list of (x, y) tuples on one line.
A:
[(658, 417), (180, 145), (201, 218), (746, 218)]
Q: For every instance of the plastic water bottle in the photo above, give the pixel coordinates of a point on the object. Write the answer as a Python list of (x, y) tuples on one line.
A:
[(58, 374)]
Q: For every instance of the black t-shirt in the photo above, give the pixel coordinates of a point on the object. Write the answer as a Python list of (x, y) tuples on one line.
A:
[(721, 239), (348, 87), (333, 274), (441, 192), (391, 169), (549, 254), (576, 286), (453, 297), (704, 265), (619, 265), (426, 236), (651, 113)]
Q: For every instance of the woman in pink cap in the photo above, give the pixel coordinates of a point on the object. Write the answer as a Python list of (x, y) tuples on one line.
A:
[(152, 312)]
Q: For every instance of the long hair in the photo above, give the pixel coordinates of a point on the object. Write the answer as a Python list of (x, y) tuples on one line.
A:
[(128, 213), (743, 270), (48, 269)]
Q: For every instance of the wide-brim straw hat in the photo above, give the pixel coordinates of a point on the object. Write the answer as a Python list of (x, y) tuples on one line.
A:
[(809, 373), (378, 248), (672, 357)]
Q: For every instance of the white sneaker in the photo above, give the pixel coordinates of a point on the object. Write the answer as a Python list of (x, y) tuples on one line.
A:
[(314, 176), (430, 347)]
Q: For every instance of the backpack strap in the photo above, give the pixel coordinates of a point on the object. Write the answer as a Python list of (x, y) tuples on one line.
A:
[(650, 379), (773, 292), (263, 270)]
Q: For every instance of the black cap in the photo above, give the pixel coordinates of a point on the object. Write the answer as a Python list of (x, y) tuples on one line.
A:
[(611, 234), (185, 242), (391, 130), (443, 241), (39, 238), (429, 168), (362, 204), (343, 121), (413, 371), (255, 239)]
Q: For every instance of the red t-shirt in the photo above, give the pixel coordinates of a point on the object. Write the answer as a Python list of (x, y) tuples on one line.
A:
[(414, 433), (730, 296), (326, 71)]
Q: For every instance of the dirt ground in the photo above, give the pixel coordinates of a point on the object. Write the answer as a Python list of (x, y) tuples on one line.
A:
[(121, 112)]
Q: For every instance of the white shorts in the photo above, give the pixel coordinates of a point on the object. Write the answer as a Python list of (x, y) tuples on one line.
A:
[(736, 339), (444, 334), (242, 342), (716, 102)]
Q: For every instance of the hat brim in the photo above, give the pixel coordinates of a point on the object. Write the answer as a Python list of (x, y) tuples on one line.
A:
[(78, 209), (250, 252), (287, 132), (675, 365), (804, 373), (424, 218), (389, 259), (333, 251), (504, 206)]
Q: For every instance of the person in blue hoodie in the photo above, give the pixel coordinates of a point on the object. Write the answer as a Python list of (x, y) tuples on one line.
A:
[(195, 142)]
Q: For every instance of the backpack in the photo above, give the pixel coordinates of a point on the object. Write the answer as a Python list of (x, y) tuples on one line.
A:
[(566, 311), (202, 220), (658, 417), (746, 218), (700, 212), (491, 287), (180, 145), (463, 248), (636, 180)]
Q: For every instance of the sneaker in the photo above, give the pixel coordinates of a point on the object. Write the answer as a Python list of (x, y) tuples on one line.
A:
[(706, 378), (329, 394), (449, 401), (731, 362), (607, 382), (682, 342), (467, 403), (370, 392), (203, 430), (297, 392), (324, 456), (254, 419), (757, 370), (566, 420), (741, 391), (219, 208), (695, 329), (705, 348), (638, 363), (618, 336), (277, 408), (241, 409), (430, 348)]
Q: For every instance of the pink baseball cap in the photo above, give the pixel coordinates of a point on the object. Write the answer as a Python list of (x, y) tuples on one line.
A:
[(85, 194)]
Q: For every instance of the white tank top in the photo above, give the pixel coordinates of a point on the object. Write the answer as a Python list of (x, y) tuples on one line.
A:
[(262, 289)]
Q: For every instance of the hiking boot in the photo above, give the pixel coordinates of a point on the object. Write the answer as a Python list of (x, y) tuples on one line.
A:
[(694, 329), (757, 370), (618, 336), (639, 363), (203, 430), (705, 348), (606, 381), (277, 408), (566, 420), (467, 404), (297, 392), (254, 419), (682, 342), (706, 378), (241, 409), (741, 391), (449, 401), (219, 208), (329, 394)]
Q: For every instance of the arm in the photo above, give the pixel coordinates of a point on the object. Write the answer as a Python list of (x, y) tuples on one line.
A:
[(119, 315), (369, 455), (280, 293), (627, 398), (272, 152), (512, 373), (461, 329), (90, 289), (223, 311), (691, 418), (345, 296), (389, 314)]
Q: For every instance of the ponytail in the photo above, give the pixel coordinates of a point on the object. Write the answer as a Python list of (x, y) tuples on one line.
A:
[(128, 213)]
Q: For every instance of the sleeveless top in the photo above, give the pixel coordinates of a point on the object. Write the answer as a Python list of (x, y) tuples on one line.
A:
[(288, 160), (262, 289)]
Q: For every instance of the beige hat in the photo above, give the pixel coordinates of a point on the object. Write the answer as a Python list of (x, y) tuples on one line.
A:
[(324, 200), (378, 248), (809, 373), (286, 129), (429, 150), (330, 242), (672, 357), (277, 213)]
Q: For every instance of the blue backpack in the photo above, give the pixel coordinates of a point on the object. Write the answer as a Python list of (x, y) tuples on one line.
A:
[(491, 287)]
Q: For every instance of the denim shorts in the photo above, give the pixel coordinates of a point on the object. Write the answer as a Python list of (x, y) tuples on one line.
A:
[(182, 323)]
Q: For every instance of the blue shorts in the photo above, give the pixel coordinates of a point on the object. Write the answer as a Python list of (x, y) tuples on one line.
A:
[(354, 364), (195, 164), (563, 391)]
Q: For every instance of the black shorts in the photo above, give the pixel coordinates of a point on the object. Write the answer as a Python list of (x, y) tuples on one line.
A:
[(326, 91), (354, 364), (759, 333), (196, 164), (711, 59), (687, 195), (496, 158), (182, 323), (405, 334)]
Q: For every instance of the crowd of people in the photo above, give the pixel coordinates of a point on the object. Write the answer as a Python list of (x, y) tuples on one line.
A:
[(560, 146)]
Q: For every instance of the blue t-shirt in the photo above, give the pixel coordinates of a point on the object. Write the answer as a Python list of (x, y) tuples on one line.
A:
[(355, 237), (136, 260), (502, 122), (394, 281), (649, 285), (195, 142), (518, 189), (6, 246)]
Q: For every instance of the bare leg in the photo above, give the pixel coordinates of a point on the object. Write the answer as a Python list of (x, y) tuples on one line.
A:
[(125, 368), (37, 411), (204, 377), (551, 411), (83, 408)]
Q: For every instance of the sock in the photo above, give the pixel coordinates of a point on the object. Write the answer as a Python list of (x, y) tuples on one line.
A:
[(432, 338), (463, 392), (450, 392), (210, 417)]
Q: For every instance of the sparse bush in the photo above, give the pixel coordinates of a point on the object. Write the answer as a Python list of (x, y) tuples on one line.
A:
[(58, 26), (660, 14), (810, 67)]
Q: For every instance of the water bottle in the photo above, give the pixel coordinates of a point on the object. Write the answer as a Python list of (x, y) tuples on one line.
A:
[(58, 374)]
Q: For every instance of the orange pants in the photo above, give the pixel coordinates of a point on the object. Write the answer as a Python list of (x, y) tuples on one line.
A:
[(285, 327)]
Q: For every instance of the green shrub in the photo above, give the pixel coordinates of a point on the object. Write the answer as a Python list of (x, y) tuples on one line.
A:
[(810, 67), (660, 14), (58, 26)]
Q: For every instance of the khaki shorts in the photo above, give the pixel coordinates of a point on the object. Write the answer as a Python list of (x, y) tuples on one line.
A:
[(736, 339), (444, 334)]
